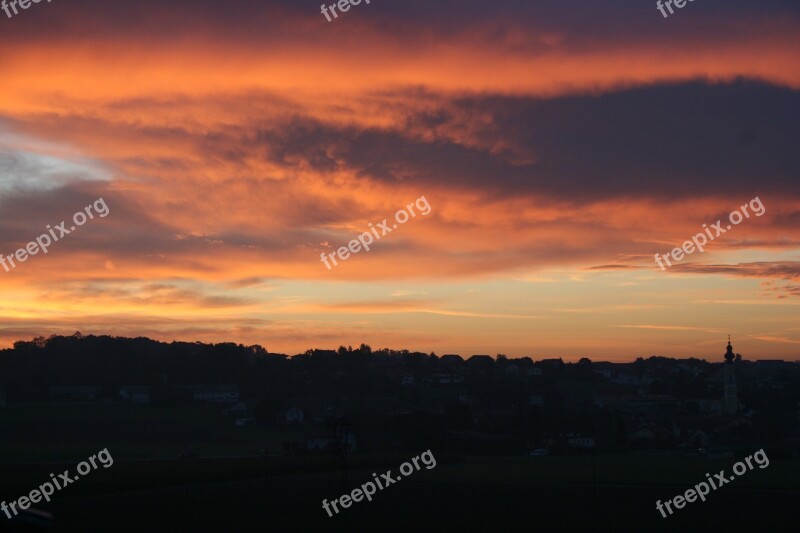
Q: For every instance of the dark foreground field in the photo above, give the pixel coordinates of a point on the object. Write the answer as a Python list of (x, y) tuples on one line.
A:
[(519, 494)]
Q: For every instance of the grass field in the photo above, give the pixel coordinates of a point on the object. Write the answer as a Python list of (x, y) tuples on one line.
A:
[(231, 488), (553, 494)]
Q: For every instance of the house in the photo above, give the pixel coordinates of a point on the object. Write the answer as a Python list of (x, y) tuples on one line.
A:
[(551, 363), (240, 410), (84, 392), (319, 439), (295, 415), (643, 434), (650, 404), (650, 433), (447, 379), (580, 442), (480, 364), (631, 379), (536, 400), (698, 437), (408, 381), (708, 407), (607, 373), (319, 407), (737, 422), (549, 442), (135, 393), (213, 393), (451, 361)]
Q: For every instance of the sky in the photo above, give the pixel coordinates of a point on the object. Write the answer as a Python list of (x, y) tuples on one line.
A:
[(559, 144)]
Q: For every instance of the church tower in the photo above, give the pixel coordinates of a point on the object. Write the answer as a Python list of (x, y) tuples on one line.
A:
[(730, 402)]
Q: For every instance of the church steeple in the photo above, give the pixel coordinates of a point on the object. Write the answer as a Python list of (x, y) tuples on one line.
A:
[(729, 355), (730, 400)]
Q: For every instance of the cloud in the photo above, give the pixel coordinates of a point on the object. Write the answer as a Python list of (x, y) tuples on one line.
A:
[(778, 269), (414, 306), (155, 294), (671, 328), (780, 340)]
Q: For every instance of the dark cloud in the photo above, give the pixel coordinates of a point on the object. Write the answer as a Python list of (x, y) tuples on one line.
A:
[(160, 294), (671, 140), (512, 24), (612, 267), (789, 270)]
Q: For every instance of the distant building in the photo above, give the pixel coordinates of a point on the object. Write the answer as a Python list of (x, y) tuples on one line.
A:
[(536, 400), (580, 442), (644, 433), (83, 392), (135, 393), (649, 433), (447, 379), (295, 415), (631, 379), (698, 437), (551, 363), (240, 410), (607, 373), (709, 407), (772, 363), (452, 360), (2, 397), (319, 439), (408, 381), (480, 363), (213, 393), (730, 400), (638, 404)]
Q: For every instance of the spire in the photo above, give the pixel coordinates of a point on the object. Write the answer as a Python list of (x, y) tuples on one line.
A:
[(729, 356)]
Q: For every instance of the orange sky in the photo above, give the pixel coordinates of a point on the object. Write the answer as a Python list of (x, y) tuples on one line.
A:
[(559, 145)]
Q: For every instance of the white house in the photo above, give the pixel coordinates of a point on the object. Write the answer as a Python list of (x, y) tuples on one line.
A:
[(581, 442), (294, 415), (213, 393), (135, 393), (319, 441), (536, 400), (447, 378)]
